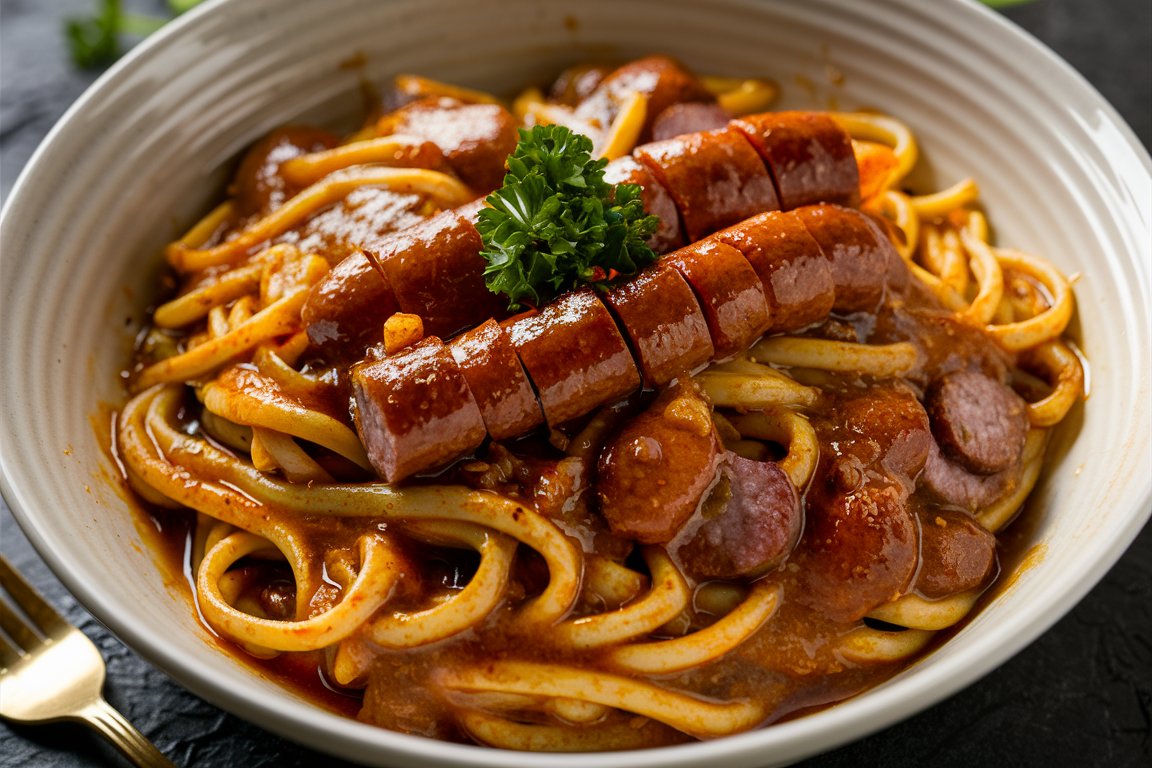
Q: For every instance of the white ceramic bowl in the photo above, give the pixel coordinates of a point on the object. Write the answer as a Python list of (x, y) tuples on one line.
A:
[(148, 147)]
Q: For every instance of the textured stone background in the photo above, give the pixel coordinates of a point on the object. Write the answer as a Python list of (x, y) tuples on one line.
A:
[(1080, 695)]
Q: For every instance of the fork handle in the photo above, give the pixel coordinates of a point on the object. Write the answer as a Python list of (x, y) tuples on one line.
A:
[(100, 716)]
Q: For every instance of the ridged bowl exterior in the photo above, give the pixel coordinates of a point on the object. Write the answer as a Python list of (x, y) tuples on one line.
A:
[(149, 147)]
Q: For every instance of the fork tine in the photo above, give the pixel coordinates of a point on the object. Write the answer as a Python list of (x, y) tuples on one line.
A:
[(43, 615), (8, 653), (16, 628)]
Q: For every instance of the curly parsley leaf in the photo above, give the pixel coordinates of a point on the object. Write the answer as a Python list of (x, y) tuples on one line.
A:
[(556, 225)]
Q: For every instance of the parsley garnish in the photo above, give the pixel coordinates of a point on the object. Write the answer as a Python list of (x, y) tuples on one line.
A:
[(95, 40), (556, 224)]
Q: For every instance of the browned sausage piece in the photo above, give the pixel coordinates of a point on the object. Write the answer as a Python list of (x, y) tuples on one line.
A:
[(346, 310), (679, 119), (858, 253), (654, 473), (753, 531), (414, 410), (657, 201), (489, 363), (574, 354), (258, 188), (891, 429), (660, 78), (715, 177), (951, 483), (436, 271), (476, 139), (859, 550), (956, 554), (979, 422), (664, 322), (809, 154), (797, 278), (730, 293)]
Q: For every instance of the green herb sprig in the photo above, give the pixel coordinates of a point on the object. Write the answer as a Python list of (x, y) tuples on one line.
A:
[(556, 225), (95, 40)]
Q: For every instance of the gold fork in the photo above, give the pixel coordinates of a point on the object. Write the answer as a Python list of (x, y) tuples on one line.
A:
[(54, 673)]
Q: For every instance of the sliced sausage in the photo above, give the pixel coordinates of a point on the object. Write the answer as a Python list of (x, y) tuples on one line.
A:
[(664, 323), (951, 483), (414, 410), (657, 201), (890, 431), (809, 154), (436, 271), (858, 254), (956, 554), (655, 472), (476, 139), (690, 117), (979, 422), (574, 354), (494, 374), (755, 528), (661, 79), (258, 188), (346, 310), (797, 278), (715, 177), (730, 293), (859, 550)]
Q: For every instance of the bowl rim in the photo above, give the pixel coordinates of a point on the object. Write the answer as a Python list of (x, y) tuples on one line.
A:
[(846, 721)]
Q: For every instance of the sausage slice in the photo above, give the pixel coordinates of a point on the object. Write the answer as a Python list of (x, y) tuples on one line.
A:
[(729, 290), (497, 380), (956, 554), (715, 177), (797, 278), (859, 550), (436, 271), (664, 81), (858, 253), (654, 473), (689, 117), (978, 421), (754, 530), (476, 139), (809, 154), (663, 322), (346, 310), (414, 410), (574, 354)]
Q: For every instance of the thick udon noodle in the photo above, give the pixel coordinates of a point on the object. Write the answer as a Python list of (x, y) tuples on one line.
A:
[(225, 421)]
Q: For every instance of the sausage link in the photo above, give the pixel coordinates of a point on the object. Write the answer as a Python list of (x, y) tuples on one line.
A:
[(576, 358), (695, 184)]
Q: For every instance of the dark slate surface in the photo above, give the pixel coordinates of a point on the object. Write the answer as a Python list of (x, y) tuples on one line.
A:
[(1080, 695)]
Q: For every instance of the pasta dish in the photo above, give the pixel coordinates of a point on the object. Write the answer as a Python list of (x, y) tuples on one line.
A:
[(623, 413)]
